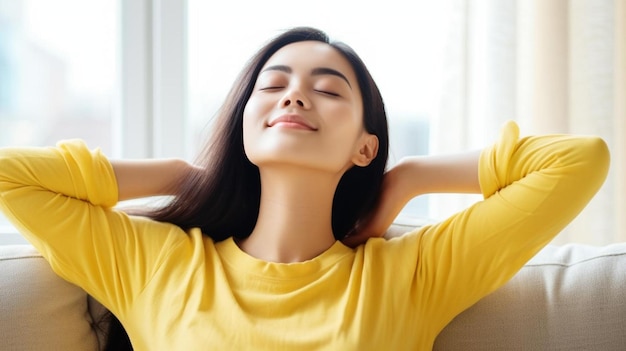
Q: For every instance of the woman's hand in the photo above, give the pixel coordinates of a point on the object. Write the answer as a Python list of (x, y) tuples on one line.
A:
[(414, 176), (394, 195)]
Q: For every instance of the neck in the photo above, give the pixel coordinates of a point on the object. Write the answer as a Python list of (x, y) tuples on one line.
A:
[(294, 222)]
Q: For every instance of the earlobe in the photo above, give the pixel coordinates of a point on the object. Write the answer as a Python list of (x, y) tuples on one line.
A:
[(367, 151)]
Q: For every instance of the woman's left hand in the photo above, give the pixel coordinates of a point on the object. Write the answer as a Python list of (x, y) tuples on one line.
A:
[(392, 199), (418, 175)]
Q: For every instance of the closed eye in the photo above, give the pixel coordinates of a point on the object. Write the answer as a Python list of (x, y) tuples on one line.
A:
[(271, 88), (325, 92)]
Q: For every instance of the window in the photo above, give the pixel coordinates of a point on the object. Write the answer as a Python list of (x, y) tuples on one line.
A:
[(144, 78), (57, 72)]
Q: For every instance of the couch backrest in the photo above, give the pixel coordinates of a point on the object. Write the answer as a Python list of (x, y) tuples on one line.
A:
[(567, 298)]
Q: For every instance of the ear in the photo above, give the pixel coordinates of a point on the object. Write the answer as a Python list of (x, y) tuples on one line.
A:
[(367, 151)]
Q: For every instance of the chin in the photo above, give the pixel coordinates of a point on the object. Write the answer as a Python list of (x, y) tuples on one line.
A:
[(289, 158)]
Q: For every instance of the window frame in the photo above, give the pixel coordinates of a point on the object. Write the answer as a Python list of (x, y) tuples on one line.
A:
[(152, 98)]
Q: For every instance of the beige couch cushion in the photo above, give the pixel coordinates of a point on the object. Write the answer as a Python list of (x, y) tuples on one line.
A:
[(566, 298), (38, 310)]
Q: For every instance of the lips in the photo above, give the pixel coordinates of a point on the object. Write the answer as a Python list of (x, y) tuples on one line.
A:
[(292, 121)]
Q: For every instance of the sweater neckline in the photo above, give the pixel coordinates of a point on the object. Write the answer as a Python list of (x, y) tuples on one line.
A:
[(236, 258)]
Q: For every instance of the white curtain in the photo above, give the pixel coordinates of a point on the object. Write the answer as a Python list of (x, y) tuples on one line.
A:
[(554, 66)]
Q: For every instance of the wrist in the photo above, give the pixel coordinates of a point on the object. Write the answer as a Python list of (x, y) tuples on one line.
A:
[(178, 170), (408, 173)]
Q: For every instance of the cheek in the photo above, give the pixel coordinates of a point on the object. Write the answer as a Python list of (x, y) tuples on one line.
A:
[(346, 126), (255, 140), (249, 134), (256, 111)]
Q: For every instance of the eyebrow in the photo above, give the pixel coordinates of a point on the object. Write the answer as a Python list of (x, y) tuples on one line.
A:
[(315, 72)]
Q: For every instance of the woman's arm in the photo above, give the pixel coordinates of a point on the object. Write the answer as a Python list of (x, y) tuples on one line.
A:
[(533, 187), (62, 200), (143, 178), (456, 173), (419, 175)]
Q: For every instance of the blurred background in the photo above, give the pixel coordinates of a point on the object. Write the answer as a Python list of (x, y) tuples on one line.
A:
[(143, 78)]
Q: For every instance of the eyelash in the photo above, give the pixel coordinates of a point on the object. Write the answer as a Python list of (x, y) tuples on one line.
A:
[(329, 93), (270, 88)]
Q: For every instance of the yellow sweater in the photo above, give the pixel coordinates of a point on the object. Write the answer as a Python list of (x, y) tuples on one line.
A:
[(176, 290)]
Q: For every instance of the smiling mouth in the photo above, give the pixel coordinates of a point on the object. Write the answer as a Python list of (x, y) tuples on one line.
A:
[(292, 125), (292, 121)]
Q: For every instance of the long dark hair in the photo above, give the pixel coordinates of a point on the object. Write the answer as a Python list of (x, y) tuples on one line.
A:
[(224, 199)]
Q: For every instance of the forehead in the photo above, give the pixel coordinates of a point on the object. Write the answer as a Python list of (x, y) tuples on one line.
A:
[(312, 54)]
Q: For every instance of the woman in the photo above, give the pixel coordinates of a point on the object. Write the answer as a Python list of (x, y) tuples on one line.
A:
[(249, 255)]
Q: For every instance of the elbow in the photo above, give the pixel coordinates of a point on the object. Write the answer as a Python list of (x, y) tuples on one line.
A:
[(600, 153), (594, 159), (6, 165)]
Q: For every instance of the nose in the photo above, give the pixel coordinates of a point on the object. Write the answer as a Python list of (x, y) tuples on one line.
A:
[(298, 101), (295, 97)]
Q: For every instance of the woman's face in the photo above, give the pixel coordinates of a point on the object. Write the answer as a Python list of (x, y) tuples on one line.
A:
[(306, 110)]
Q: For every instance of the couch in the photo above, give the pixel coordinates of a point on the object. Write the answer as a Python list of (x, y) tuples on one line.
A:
[(570, 297)]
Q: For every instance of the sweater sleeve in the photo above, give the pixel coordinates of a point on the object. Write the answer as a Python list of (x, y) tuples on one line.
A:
[(533, 187), (61, 199)]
